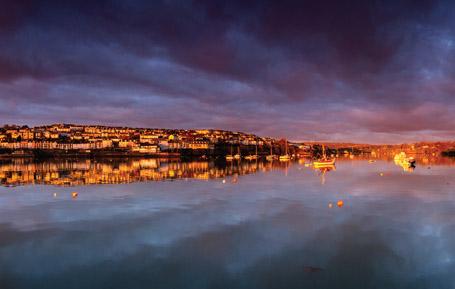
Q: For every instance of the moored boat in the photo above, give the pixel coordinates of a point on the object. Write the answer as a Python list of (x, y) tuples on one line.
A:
[(230, 157), (402, 160), (286, 157), (253, 157), (324, 161), (271, 156), (237, 156)]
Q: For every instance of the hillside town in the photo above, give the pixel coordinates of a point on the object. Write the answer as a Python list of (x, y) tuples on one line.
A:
[(95, 140), (71, 138)]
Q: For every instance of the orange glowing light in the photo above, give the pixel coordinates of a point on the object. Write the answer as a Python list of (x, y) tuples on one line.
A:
[(74, 195), (340, 203)]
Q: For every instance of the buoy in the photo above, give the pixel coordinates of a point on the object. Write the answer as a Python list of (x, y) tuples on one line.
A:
[(330, 205), (55, 195), (224, 181), (340, 203), (74, 194)]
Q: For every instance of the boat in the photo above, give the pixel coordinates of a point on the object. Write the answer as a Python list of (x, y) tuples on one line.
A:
[(253, 157), (401, 157), (324, 161), (271, 156), (229, 157), (407, 163), (323, 170), (286, 157), (237, 156)]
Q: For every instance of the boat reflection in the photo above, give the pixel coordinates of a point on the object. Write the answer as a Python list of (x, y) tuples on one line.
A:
[(323, 170)]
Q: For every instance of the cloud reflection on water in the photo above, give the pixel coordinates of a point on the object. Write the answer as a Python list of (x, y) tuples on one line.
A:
[(261, 232)]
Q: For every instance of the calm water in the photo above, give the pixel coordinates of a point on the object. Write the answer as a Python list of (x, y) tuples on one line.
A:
[(157, 224)]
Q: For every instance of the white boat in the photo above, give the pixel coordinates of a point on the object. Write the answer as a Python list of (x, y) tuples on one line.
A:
[(286, 157), (271, 156), (237, 156), (229, 157), (253, 157), (401, 157), (324, 161), (407, 163)]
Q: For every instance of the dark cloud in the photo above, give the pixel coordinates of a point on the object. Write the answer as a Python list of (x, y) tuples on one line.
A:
[(301, 69)]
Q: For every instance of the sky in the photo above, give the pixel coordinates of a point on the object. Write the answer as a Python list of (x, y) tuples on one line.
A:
[(357, 71)]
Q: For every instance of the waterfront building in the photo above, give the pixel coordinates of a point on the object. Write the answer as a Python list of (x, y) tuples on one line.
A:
[(147, 149)]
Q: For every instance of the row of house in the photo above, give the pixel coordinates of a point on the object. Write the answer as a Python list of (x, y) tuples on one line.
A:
[(48, 145), (82, 137)]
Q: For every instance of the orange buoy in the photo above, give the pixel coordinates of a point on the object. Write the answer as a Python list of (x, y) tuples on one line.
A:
[(340, 203), (74, 194)]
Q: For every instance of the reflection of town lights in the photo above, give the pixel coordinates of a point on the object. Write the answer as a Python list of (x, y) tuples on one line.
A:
[(110, 172)]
